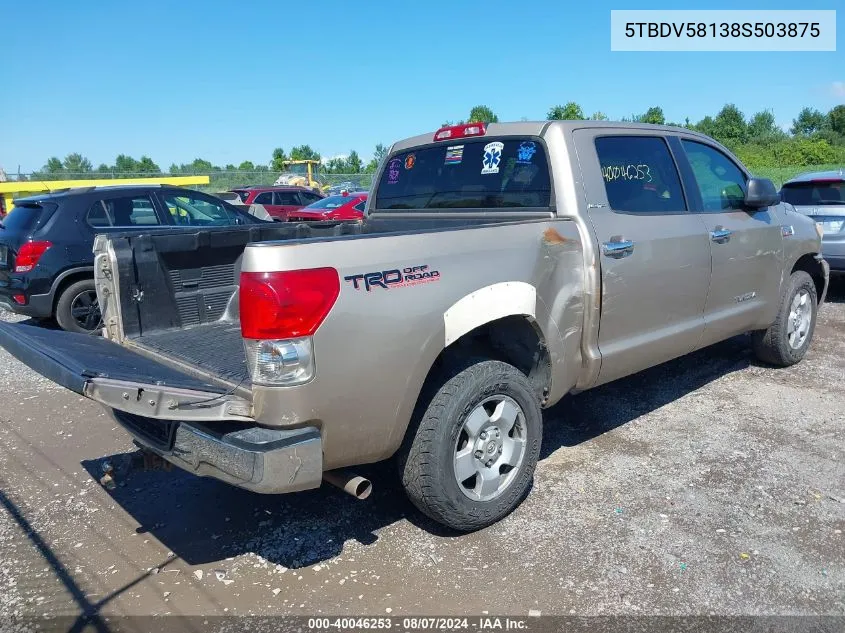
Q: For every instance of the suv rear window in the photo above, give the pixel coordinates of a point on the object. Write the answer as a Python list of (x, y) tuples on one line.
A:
[(477, 173), (24, 218), (814, 193)]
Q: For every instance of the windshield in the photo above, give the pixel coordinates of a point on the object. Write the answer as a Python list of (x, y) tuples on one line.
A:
[(299, 170), (814, 193), (508, 172), (332, 202)]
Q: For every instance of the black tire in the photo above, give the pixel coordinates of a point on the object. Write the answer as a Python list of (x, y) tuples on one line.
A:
[(69, 309), (773, 344), (426, 461)]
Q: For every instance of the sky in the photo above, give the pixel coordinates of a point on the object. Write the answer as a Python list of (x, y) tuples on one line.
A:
[(229, 81)]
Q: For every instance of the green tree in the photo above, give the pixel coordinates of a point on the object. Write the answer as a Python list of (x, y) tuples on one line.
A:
[(124, 164), (278, 161), (809, 122), (729, 126), (303, 152), (336, 165), (147, 166), (246, 166), (353, 163), (76, 163), (378, 155), (763, 129), (569, 112), (174, 168), (482, 114), (598, 116), (653, 115), (705, 126), (836, 119), (229, 167), (262, 168)]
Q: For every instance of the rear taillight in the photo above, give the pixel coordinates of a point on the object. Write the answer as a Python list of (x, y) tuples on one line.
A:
[(28, 255), (279, 312), (460, 131), (289, 304), (19, 299)]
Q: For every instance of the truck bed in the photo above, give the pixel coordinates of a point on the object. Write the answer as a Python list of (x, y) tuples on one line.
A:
[(215, 347), (177, 290)]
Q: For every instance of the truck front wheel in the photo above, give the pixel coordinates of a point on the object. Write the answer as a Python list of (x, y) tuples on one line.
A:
[(785, 342), (471, 459)]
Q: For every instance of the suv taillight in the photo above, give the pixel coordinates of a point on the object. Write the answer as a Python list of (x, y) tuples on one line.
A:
[(28, 255), (280, 311)]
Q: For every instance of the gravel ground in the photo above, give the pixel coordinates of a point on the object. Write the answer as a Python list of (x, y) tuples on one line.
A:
[(709, 485)]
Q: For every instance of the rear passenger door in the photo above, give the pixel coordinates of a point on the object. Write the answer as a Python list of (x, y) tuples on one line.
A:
[(654, 253), (286, 201), (746, 245), (114, 212)]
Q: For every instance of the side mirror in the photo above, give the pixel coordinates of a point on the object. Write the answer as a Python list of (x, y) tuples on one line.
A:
[(761, 193)]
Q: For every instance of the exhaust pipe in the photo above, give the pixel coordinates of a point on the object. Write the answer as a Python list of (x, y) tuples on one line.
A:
[(355, 485)]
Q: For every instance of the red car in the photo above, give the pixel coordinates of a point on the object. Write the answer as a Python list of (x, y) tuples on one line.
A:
[(279, 201), (347, 206)]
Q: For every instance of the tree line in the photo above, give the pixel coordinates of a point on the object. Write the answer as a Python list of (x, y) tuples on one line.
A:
[(815, 138)]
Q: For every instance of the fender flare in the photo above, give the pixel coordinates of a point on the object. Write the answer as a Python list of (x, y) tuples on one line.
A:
[(493, 302)]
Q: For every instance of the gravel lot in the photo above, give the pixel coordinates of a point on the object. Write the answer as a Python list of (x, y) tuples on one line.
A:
[(710, 485)]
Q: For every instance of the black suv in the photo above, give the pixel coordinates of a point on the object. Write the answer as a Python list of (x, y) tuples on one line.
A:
[(46, 243)]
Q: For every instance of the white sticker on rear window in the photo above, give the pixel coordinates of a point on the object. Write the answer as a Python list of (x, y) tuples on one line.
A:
[(492, 157)]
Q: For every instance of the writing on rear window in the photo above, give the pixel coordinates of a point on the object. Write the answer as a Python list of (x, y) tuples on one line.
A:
[(483, 173)]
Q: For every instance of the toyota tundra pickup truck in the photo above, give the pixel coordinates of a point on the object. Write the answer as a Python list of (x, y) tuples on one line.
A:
[(499, 268)]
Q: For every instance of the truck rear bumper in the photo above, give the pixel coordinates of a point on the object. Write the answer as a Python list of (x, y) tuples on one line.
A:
[(267, 461)]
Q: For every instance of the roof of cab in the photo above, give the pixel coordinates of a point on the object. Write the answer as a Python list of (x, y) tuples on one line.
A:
[(817, 175), (538, 128)]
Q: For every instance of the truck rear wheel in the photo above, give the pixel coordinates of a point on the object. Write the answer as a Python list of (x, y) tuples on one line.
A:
[(471, 459), (786, 341)]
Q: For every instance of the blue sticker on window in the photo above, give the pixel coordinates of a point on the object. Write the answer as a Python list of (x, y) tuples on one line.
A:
[(492, 157), (526, 151)]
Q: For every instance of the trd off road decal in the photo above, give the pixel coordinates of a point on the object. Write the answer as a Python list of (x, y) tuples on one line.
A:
[(395, 278)]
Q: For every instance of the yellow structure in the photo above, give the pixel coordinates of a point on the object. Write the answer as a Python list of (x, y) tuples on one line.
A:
[(301, 173), (22, 188)]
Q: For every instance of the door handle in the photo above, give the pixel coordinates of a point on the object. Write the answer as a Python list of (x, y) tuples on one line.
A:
[(617, 247), (721, 235)]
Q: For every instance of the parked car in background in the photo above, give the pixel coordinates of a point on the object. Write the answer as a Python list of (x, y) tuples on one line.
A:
[(278, 201), (46, 242), (348, 206), (821, 195)]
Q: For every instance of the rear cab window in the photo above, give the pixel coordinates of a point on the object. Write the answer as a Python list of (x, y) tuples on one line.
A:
[(640, 175), (474, 173)]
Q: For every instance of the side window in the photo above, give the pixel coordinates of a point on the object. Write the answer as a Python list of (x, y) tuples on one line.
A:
[(639, 175), (308, 198), (120, 212), (265, 197), (196, 210), (360, 206), (287, 198), (720, 181)]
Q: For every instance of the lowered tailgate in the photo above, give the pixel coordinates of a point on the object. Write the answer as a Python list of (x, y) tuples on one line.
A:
[(120, 378)]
